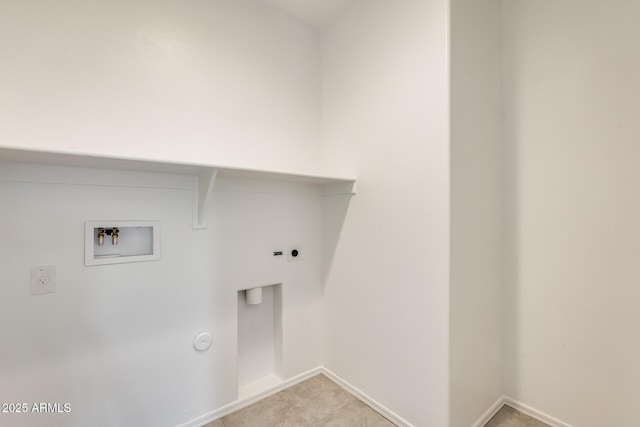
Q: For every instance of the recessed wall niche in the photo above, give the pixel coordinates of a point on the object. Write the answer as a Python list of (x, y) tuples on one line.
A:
[(116, 242), (259, 340)]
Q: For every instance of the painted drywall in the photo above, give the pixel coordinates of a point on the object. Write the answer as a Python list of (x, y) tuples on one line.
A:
[(476, 145), (116, 341), (227, 82), (571, 205), (316, 13), (385, 120)]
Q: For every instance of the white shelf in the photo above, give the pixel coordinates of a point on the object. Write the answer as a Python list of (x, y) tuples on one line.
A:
[(206, 173), (146, 165)]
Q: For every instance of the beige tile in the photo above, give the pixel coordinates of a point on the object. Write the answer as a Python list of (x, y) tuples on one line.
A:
[(355, 414), (315, 402), (319, 402), (316, 398), (294, 421), (509, 417), (312, 385), (271, 411)]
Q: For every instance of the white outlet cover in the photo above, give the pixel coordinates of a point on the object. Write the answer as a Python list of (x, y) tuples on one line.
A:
[(43, 280), (202, 341)]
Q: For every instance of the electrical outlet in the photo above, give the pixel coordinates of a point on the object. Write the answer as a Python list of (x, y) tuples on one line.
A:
[(43, 280), (294, 253)]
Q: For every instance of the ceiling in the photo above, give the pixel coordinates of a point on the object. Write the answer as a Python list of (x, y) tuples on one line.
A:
[(313, 12)]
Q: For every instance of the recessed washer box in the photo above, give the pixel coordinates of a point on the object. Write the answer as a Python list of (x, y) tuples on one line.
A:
[(117, 242)]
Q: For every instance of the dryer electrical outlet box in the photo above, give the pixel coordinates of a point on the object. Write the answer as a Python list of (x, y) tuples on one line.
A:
[(116, 242)]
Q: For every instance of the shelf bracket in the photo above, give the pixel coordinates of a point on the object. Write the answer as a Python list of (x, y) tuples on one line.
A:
[(201, 196), (349, 187)]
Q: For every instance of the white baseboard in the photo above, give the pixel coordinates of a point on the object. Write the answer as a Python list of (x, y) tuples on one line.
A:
[(249, 400), (376, 406), (534, 413), (489, 413)]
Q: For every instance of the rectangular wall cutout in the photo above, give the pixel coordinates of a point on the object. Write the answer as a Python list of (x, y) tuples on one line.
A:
[(259, 341), (116, 242)]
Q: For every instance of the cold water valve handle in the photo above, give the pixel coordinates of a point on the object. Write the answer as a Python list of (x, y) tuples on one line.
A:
[(115, 235)]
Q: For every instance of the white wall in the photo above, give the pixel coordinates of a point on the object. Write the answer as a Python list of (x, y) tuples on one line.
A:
[(571, 132), (115, 341), (224, 82), (385, 120), (476, 124), (252, 221), (228, 82)]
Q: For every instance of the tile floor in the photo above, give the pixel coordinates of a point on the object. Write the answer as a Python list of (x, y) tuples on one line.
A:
[(316, 402), (319, 402), (509, 417)]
